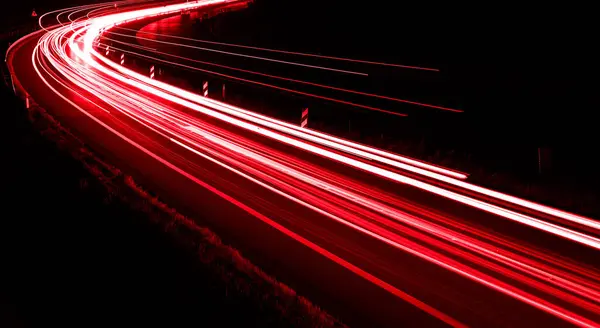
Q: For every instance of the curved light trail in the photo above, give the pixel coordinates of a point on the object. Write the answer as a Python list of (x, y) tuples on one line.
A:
[(295, 53), (281, 78), (265, 152)]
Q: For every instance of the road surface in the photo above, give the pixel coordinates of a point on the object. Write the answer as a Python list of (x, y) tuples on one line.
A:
[(375, 239)]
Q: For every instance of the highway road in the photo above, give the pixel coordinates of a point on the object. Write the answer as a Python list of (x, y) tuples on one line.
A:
[(375, 238)]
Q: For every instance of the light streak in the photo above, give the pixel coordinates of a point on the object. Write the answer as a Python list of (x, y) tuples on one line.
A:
[(563, 288), (577, 219), (509, 214), (250, 56), (366, 94), (369, 62)]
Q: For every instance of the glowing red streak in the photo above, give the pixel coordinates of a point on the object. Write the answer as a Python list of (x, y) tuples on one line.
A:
[(545, 226), (290, 52), (488, 192), (333, 195), (278, 77)]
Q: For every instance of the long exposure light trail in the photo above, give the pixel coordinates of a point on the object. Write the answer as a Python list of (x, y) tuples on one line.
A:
[(286, 126), (487, 192), (369, 62), (161, 119), (509, 214), (271, 76), (272, 86), (253, 57)]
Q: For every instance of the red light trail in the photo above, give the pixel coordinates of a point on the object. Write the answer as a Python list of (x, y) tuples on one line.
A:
[(288, 52), (256, 57), (256, 147), (281, 78)]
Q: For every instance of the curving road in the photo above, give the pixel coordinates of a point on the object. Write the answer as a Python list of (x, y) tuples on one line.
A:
[(375, 238)]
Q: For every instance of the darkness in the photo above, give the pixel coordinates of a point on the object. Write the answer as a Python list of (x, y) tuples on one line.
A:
[(522, 73), (72, 254), (519, 71)]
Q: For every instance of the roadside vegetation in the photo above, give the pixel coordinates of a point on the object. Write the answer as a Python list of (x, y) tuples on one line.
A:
[(83, 244)]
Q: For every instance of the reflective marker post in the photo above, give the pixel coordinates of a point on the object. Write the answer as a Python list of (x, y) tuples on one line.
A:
[(304, 119)]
